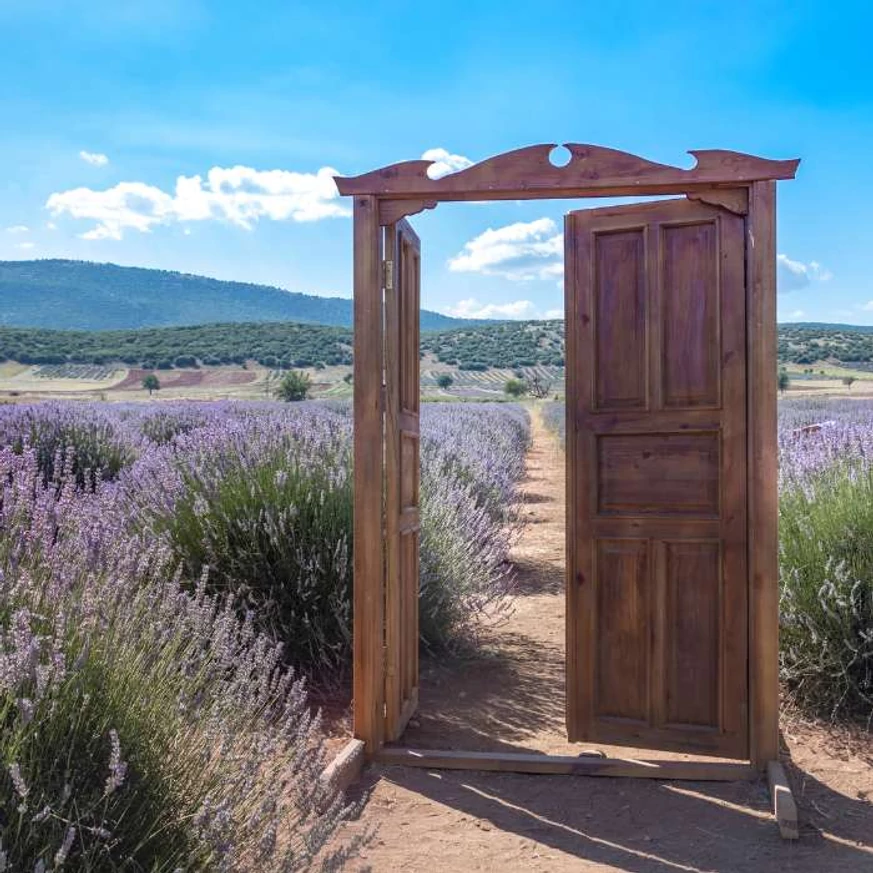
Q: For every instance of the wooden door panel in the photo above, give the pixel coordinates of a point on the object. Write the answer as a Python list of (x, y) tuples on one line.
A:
[(620, 307), (622, 663), (690, 316), (658, 474), (657, 586), (402, 438)]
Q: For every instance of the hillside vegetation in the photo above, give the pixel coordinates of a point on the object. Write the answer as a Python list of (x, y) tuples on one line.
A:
[(836, 343), (272, 345), (79, 295), (506, 344), (489, 346)]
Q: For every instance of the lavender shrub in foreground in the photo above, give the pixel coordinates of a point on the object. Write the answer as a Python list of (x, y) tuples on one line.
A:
[(826, 555), (260, 494), (145, 727)]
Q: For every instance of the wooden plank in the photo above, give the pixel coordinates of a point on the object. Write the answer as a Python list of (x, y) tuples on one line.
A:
[(763, 507), (584, 765), (578, 381), (346, 767), (593, 171), (402, 517), (368, 670), (784, 807), (394, 630)]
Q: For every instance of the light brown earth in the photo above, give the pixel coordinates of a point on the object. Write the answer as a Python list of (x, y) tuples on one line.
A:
[(509, 696)]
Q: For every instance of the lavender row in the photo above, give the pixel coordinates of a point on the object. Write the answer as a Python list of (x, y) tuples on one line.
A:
[(160, 568)]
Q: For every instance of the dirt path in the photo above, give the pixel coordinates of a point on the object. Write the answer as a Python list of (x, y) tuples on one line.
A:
[(509, 696)]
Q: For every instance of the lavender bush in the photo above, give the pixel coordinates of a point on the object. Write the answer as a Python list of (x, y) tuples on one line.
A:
[(554, 417), (97, 442), (150, 558), (260, 494), (144, 727), (826, 555), (472, 459)]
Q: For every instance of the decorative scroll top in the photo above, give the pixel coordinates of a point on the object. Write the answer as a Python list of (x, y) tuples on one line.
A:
[(528, 173)]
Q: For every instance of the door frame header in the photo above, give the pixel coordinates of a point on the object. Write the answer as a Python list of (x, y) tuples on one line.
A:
[(405, 188)]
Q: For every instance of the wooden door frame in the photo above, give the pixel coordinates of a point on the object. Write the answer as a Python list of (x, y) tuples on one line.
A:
[(741, 183)]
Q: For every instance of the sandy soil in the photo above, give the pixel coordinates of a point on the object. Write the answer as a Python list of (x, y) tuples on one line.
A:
[(509, 696)]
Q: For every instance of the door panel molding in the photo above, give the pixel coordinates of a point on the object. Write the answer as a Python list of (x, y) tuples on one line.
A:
[(657, 587)]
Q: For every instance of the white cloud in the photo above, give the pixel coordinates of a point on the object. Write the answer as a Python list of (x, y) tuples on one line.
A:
[(472, 308), (793, 275), (25, 245), (240, 195), (795, 315), (50, 225), (519, 252), (515, 309), (444, 163), (94, 158), (18, 228)]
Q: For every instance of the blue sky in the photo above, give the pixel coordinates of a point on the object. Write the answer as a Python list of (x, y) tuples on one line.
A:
[(200, 136)]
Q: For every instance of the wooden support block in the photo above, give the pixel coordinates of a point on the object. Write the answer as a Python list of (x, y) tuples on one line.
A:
[(346, 767), (784, 807), (507, 762)]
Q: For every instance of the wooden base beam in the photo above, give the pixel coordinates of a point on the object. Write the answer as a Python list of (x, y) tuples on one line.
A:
[(346, 767), (508, 762), (784, 807)]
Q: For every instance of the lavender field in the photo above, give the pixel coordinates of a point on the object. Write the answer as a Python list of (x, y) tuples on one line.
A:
[(825, 553), (169, 572)]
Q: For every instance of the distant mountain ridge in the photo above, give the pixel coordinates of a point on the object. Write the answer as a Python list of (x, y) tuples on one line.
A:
[(81, 295)]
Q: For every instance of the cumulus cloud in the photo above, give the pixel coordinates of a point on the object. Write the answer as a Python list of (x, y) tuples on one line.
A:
[(794, 275), (25, 245), (444, 163), (472, 308), (18, 228), (519, 252), (795, 315), (94, 158), (240, 195)]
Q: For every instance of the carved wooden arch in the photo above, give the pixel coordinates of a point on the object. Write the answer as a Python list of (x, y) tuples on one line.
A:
[(741, 183), (405, 188)]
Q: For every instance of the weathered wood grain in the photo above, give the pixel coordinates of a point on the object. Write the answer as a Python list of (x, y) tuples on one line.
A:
[(369, 535), (528, 173), (657, 617)]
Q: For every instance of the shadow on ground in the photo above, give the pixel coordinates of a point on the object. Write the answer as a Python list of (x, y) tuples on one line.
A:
[(640, 827)]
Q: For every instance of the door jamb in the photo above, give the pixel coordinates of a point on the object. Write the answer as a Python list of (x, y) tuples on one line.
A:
[(383, 196)]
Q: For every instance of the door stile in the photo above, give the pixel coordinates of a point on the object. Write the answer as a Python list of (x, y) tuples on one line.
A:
[(368, 555), (402, 474)]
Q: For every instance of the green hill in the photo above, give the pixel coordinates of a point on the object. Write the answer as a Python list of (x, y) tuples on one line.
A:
[(79, 295), (273, 345), (502, 345), (505, 344)]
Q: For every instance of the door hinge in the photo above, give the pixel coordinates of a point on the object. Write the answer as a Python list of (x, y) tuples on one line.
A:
[(384, 710), (388, 275)]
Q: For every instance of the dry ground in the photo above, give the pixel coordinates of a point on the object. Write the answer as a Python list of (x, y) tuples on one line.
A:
[(509, 696)]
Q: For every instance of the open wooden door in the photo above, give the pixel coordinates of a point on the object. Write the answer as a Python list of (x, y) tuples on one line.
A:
[(402, 524), (657, 619)]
